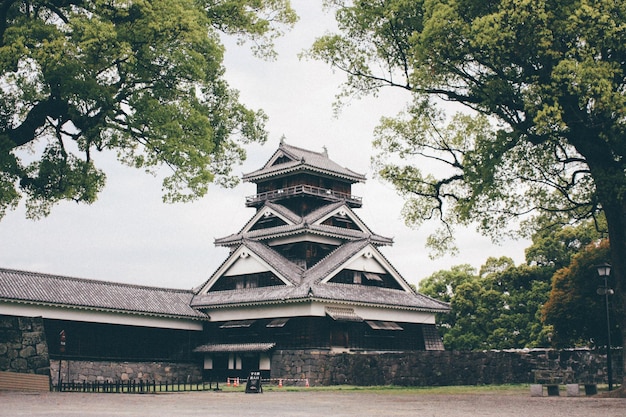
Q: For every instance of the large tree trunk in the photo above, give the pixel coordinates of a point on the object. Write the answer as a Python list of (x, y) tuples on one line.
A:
[(609, 177), (616, 218)]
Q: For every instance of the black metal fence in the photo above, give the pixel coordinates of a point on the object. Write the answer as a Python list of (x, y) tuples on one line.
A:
[(134, 387)]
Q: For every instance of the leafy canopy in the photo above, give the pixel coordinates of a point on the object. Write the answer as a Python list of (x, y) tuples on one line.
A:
[(537, 304), (574, 286), (541, 85), (499, 308), (143, 79)]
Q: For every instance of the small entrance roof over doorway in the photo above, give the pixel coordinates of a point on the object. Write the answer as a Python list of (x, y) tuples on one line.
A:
[(342, 314), (235, 347)]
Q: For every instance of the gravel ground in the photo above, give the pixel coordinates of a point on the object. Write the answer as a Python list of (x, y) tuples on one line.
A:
[(306, 403)]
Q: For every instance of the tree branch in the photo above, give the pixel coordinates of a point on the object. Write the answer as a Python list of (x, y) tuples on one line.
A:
[(36, 118)]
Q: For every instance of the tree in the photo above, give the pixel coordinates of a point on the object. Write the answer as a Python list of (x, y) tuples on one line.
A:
[(442, 285), (143, 79), (498, 309), (554, 246), (542, 85), (575, 286)]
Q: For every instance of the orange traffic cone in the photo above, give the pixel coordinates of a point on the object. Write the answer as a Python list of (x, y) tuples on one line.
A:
[(280, 383), (307, 383)]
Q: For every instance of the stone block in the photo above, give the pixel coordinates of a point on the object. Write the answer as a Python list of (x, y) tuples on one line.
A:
[(536, 390), (7, 322), (42, 349), (12, 336), (25, 323), (19, 364), (32, 338), (38, 362), (573, 390), (27, 352)]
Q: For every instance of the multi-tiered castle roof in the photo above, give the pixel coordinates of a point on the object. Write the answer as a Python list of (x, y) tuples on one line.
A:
[(305, 244)]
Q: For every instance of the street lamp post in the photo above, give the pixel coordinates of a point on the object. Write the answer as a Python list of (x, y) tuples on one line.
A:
[(604, 271)]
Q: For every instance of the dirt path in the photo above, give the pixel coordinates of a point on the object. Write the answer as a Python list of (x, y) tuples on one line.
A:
[(303, 403)]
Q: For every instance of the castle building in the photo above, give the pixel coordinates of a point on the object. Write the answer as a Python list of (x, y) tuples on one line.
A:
[(305, 272)]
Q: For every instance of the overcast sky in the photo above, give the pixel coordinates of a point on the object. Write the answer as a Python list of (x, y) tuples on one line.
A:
[(129, 235)]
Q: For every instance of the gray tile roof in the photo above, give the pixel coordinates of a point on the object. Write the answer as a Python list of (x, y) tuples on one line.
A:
[(303, 225), (284, 267), (382, 297), (333, 260), (45, 289), (302, 228), (322, 211), (302, 159), (248, 296), (307, 286)]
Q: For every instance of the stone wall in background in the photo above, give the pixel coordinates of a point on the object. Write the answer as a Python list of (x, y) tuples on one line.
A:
[(442, 367), (111, 371), (23, 349), (23, 346)]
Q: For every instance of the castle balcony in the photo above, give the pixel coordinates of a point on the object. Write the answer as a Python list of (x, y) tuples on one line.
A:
[(302, 191)]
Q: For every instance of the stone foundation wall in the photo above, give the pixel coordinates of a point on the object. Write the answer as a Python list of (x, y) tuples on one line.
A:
[(23, 349), (92, 371), (23, 346), (440, 368)]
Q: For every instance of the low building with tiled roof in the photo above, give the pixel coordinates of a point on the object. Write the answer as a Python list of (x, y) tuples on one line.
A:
[(88, 320), (52, 296)]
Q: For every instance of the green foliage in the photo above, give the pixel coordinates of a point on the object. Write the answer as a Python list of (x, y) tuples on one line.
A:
[(551, 300), (498, 309), (141, 78), (554, 245), (573, 287), (542, 88), (442, 284)]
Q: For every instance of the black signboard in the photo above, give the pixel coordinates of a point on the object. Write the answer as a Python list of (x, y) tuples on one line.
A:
[(62, 341), (253, 386)]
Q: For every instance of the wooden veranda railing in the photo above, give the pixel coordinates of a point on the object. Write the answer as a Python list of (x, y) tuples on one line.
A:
[(326, 193)]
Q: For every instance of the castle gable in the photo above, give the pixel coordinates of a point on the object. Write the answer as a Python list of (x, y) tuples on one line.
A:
[(360, 264), (290, 158), (269, 216), (338, 215), (252, 265)]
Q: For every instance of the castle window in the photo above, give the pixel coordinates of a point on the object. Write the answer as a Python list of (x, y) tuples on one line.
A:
[(278, 322), (240, 282), (383, 325), (372, 277), (237, 324)]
